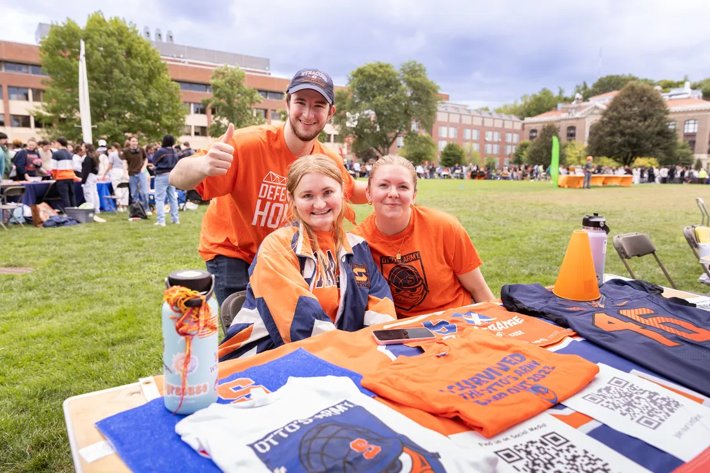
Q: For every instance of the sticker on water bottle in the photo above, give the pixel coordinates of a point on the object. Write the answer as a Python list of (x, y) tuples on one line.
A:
[(178, 363)]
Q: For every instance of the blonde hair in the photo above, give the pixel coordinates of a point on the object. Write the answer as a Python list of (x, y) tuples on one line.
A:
[(323, 165), (393, 159)]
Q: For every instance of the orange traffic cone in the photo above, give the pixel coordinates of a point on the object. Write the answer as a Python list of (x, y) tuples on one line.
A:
[(577, 279)]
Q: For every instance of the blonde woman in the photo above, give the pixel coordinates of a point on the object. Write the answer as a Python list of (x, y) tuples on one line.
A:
[(426, 255), (310, 276)]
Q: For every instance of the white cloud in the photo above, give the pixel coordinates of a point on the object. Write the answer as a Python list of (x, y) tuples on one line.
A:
[(478, 51)]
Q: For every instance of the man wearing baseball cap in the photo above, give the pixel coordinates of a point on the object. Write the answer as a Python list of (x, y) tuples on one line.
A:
[(244, 175)]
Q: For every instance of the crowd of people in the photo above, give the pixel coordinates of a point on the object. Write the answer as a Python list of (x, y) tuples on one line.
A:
[(66, 163)]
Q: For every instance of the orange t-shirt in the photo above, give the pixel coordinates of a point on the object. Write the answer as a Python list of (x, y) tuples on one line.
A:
[(326, 285), (489, 383), (433, 249), (255, 193)]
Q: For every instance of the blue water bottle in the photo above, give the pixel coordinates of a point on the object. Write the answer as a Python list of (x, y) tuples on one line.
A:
[(189, 341)]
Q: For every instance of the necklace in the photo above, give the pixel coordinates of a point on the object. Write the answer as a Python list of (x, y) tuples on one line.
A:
[(398, 255)]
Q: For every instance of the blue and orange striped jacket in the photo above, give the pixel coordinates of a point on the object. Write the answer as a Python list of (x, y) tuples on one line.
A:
[(280, 306)]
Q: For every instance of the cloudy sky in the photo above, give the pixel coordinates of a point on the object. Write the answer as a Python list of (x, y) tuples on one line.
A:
[(479, 52)]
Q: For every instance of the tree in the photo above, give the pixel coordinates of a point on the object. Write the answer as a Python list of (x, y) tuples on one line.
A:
[(575, 152), (129, 86), (684, 156), (419, 148), (535, 104), (634, 124), (232, 100), (521, 151), (703, 85), (611, 83), (540, 150), (451, 155), (381, 104)]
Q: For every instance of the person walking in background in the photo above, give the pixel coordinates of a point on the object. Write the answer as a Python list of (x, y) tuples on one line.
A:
[(27, 161), (117, 173), (5, 163), (164, 160), (426, 255), (89, 179), (137, 161), (63, 173), (45, 152), (588, 170)]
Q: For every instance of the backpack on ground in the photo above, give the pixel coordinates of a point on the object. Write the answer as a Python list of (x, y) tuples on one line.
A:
[(136, 210)]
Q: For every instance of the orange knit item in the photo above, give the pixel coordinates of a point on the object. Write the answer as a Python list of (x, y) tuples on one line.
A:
[(189, 322)]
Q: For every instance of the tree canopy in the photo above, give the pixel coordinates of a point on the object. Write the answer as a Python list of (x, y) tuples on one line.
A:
[(129, 86), (634, 124), (540, 149), (381, 104), (419, 148), (451, 155), (535, 104), (232, 100)]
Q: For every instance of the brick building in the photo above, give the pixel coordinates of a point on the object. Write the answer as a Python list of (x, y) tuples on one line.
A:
[(490, 134), (689, 117)]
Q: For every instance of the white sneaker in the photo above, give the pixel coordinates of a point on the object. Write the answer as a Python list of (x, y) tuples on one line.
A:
[(160, 224), (99, 219), (148, 213)]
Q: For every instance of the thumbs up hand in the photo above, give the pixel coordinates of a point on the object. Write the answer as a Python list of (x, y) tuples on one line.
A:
[(219, 157)]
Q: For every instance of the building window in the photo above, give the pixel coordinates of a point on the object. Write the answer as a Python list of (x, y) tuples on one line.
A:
[(489, 148), (691, 144), (452, 132), (37, 122), (37, 95), (496, 149), (200, 131), (476, 135), (275, 115), (533, 134), (2, 119), (443, 131), (400, 142), (516, 138), (23, 68), (194, 87), (477, 147), (20, 121), (18, 93), (672, 125), (260, 113), (691, 126), (496, 136), (187, 130), (442, 145), (571, 133), (467, 134), (199, 109), (489, 136)]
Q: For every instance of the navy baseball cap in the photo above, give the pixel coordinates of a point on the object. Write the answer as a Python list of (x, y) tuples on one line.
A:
[(313, 79)]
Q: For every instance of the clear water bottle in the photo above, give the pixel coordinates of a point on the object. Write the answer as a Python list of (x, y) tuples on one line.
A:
[(595, 225), (189, 341)]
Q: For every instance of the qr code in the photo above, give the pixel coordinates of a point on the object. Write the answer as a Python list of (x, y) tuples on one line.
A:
[(552, 453), (647, 408)]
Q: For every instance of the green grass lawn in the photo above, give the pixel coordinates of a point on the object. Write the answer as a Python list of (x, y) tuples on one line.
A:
[(87, 317)]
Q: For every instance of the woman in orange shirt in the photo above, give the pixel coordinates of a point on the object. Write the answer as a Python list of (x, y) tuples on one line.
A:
[(311, 276), (426, 255)]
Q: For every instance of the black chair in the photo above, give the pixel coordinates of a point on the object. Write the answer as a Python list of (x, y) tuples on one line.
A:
[(10, 200), (629, 245), (230, 307)]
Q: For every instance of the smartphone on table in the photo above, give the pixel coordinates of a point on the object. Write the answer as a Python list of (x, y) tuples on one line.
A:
[(402, 335)]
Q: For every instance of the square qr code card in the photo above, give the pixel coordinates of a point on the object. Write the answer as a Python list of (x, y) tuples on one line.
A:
[(645, 410), (545, 443)]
